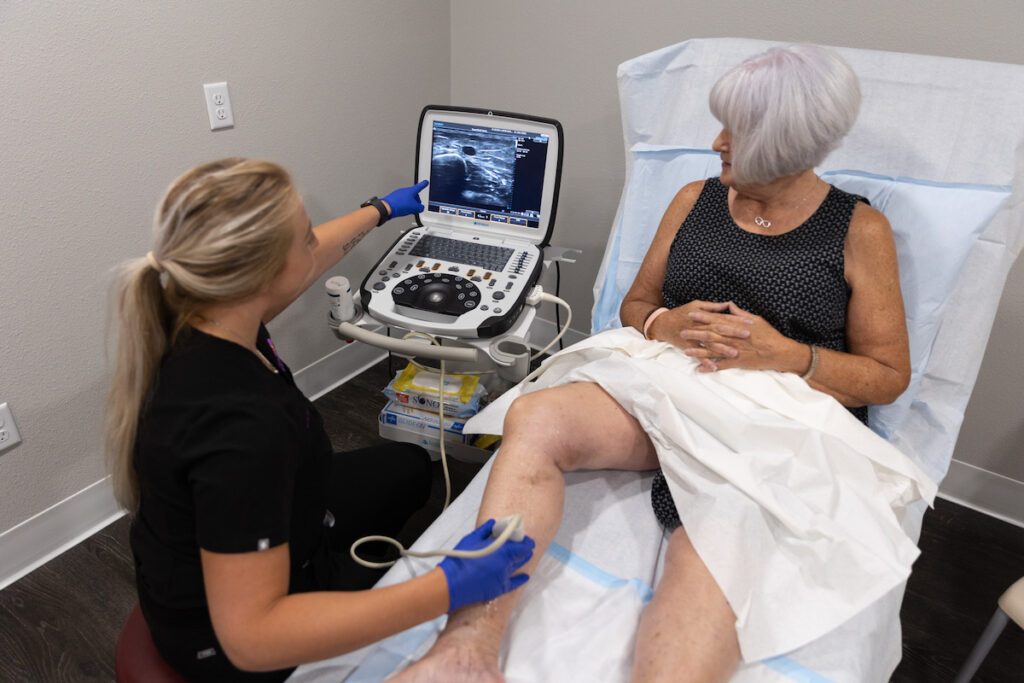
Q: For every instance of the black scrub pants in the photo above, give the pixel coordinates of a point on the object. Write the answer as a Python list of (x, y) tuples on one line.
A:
[(373, 491)]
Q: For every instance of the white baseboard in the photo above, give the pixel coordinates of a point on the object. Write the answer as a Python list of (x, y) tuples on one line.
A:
[(336, 368), (984, 491), (46, 535)]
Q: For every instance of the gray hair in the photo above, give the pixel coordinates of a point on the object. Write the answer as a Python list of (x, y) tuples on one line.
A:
[(786, 109)]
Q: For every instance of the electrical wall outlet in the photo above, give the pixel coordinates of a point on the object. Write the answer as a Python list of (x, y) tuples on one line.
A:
[(218, 105), (8, 430)]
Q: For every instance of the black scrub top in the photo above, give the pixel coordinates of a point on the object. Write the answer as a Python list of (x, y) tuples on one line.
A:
[(230, 458)]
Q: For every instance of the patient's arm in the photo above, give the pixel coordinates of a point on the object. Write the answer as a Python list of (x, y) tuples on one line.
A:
[(644, 296)]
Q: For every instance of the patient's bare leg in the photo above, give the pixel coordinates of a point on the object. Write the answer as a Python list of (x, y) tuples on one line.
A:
[(687, 632), (546, 433)]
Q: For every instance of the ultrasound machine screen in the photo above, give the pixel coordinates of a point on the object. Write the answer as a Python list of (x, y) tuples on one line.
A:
[(487, 174)]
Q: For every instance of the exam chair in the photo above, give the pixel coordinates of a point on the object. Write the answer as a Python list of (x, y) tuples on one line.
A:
[(938, 148), (137, 659), (1010, 607)]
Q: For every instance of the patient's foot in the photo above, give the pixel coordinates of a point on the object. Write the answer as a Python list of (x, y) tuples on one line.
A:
[(453, 660)]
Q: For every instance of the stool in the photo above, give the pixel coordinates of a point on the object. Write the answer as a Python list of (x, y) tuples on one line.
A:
[(137, 659), (1011, 606)]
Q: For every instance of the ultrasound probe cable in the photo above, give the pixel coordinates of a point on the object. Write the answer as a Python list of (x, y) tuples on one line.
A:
[(508, 526), (511, 524)]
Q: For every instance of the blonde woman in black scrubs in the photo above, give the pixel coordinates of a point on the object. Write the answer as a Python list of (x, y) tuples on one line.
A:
[(242, 512)]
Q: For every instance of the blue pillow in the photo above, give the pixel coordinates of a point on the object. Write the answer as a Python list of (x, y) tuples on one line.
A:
[(934, 225)]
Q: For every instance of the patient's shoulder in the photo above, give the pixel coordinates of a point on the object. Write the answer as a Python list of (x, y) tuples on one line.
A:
[(681, 205), (870, 244), (868, 225), (690, 191)]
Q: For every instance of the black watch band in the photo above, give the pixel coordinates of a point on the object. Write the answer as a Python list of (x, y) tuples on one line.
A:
[(381, 208)]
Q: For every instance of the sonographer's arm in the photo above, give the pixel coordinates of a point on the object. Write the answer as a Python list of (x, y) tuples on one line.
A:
[(341, 235), (262, 628), (330, 241)]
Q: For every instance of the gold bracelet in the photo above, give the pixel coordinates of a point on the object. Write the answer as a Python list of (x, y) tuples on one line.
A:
[(814, 363)]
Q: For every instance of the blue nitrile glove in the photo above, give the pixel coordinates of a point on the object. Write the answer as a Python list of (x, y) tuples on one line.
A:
[(487, 577), (406, 200)]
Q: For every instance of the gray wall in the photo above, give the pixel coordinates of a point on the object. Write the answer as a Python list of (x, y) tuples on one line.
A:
[(559, 60), (101, 106)]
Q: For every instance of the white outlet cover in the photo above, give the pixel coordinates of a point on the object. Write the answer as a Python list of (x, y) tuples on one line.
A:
[(218, 105), (8, 430)]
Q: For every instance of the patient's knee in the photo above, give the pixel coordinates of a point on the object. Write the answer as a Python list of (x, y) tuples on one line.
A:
[(538, 422), (528, 414)]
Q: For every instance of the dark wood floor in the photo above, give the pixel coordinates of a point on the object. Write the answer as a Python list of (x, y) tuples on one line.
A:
[(60, 623)]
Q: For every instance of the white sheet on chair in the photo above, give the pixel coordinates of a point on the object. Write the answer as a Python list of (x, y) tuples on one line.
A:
[(793, 504)]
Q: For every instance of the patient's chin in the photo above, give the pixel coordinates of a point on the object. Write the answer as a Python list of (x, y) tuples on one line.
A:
[(452, 664)]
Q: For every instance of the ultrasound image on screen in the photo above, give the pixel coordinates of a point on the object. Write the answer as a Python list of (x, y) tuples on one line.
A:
[(490, 171), (472, 168)]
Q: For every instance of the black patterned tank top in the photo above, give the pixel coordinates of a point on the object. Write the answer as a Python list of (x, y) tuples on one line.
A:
[(795, 281)]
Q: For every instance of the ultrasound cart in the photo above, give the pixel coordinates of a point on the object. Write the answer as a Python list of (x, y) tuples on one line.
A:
[(463, 280)]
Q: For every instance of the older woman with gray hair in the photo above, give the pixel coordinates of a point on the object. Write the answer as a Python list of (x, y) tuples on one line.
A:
[(766, 267)]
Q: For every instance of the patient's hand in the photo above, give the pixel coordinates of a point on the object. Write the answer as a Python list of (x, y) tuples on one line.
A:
[(724, 336), (680, 328)]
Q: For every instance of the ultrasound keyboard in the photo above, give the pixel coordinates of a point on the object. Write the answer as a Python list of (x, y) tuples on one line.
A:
[(486, 256), (444, 285)]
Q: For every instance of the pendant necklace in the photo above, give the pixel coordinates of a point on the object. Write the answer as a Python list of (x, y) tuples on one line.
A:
[(763, 222)]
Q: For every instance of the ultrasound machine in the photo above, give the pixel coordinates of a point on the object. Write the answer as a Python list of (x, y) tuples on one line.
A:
[(466, 274)]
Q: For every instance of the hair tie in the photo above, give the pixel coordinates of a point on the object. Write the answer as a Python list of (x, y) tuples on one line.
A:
[(151, 260)]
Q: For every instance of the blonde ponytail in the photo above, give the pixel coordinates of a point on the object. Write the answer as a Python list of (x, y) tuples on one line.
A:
[(142, 338), (223, 232)]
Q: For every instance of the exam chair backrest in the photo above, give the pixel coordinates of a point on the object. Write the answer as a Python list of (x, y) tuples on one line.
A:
[(938, 147)]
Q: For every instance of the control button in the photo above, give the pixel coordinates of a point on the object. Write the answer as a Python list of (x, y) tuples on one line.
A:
[(484, 307), (420, 264), (474, 293), (471, 272), (487, 276), (379, 286), (498, 296), (435, 266), (461, 296), (382, 272), (491, 283), (392, 264), (497, 310), (398, 290), (424, 270), (511, 277), (508, 286), (413, 288), (476, 279), (453, 269), (470, 304), (446, 279), (421, 277)]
